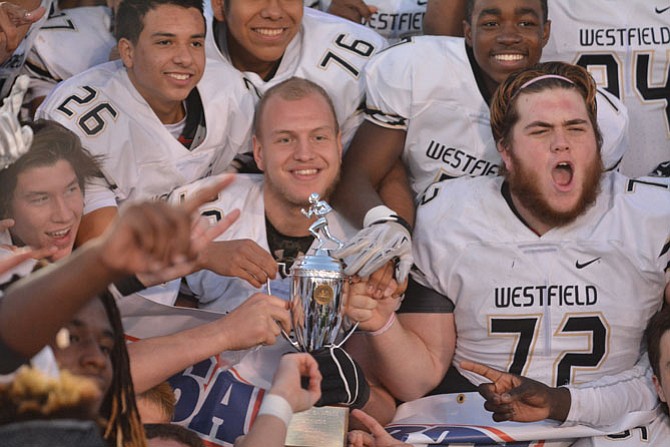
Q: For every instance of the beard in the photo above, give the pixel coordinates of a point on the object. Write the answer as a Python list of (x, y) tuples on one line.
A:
[(524, 185)]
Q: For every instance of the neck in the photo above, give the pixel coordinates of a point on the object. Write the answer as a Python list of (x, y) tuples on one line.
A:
[(286, 218), (529, 218), (168, 112), (244, 62)]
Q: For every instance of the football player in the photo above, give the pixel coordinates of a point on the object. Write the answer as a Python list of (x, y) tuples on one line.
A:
[(567, 288), (440, 130), (69, 42), (624, 46), (159, 116), (297, 145), (271, 41), (392, 19)]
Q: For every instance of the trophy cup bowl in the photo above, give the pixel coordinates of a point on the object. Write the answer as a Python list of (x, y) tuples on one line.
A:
[(316, 301)]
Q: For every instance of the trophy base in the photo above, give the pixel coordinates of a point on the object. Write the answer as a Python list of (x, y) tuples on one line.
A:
[(319, 427)]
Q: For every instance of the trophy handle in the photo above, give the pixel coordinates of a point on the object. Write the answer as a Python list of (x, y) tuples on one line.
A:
[(293, 343), (347, 335)]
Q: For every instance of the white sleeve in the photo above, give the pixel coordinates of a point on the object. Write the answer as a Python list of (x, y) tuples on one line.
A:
[(605, 401), (613, 123), (98, 195), (388, 88)]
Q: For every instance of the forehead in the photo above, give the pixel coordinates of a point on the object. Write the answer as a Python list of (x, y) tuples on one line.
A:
[(94, 317), (311, 111), (551, 105), (168, 18), (500, 6), (45, 177)]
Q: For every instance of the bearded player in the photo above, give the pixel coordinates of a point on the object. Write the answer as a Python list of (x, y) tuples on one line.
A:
[(438, 126), (568, 286)]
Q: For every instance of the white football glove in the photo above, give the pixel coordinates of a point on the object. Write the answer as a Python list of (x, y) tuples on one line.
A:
[(14, 139), (384, 236)]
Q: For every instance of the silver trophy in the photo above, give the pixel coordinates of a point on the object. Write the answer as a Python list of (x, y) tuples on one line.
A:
[(316, 288)]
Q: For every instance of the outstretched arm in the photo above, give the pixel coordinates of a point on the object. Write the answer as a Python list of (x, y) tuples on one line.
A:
[(444, 17), (146, 237)]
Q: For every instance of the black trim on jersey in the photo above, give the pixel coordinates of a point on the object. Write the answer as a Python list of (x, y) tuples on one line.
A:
[(195, 128), (598, 92), (285, 249), (129, 285), (420, 299), (40, 71), (504, 190), (399, 120), (479, 74)]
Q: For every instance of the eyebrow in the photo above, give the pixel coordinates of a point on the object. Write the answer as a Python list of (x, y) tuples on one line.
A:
[(107, 333), (166, 34), (573, 122)]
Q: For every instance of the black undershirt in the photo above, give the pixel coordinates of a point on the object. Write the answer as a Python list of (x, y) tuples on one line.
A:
[(285, 249)]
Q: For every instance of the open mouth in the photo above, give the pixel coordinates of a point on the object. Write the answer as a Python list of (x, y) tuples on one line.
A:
[(58, 234), (562, 174)]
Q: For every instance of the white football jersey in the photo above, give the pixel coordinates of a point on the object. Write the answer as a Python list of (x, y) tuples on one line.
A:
[(142, 160), (654, 434), (568, 307), (394, 19), (12, 67), (329, 51), (71, 41), (223, 293), (626, 46), (446, 118)]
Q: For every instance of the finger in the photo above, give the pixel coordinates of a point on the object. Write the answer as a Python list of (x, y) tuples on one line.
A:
[(371, 424), (381, 282), (214, 231), (15, 258), (8, 28), (477, 368), (34, 15), (6, 224), (207, 194)]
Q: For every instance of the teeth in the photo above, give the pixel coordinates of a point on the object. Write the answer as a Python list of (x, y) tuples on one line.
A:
[(509, 57), (563, 165), (181, 77), (58, 233), (270, 32), (306, 171)]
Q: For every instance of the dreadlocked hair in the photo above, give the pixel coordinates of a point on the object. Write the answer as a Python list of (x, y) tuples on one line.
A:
[(124, 427)]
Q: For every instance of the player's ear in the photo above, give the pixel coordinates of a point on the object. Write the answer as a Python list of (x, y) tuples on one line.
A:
[(258, 153), (126, 52), (504, 153), (217, 9), (339, 143), (467, 32), (546, 32), (659, 389)]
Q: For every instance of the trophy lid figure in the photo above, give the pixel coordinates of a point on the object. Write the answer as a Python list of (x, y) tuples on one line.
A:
[(320, 208)]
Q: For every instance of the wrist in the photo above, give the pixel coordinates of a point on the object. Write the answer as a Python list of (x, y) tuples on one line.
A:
[(381, 214), (389, 323), (560, 403), (277, 406)]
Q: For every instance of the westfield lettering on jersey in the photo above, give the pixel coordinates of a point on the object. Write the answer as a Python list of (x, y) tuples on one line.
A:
[(460, 160), (626, 37), (546, 295), (403, 23)]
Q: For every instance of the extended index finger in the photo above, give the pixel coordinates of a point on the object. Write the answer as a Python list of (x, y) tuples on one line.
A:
[(492, 374), (207, 193)]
